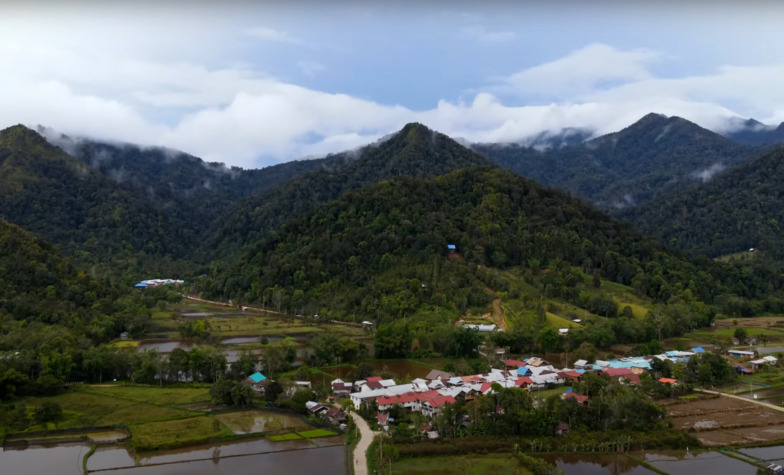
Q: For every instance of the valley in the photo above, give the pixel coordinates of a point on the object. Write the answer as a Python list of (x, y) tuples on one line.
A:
[(513, 321)]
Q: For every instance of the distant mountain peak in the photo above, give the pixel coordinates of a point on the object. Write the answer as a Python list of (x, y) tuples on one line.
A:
[(20, 136)]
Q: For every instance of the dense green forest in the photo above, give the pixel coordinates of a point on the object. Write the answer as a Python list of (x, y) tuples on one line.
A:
[(51, 313), (737, 210), (48, 192), (651, 158), (381, 252), (413, 151)]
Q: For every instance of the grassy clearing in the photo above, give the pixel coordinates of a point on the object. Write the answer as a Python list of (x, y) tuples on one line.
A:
[(124, 344), (559, 322), (180, 432), (282, 437), (151, 394), (459, 464), (314, 433)]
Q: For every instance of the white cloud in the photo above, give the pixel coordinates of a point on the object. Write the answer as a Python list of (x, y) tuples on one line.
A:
[(271, 34), (582, 71), (311, 68), (157, 92), (479, 33)]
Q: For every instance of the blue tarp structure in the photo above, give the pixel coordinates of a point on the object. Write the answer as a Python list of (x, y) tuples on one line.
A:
[(257, 377), (451, 247), (140, 285), (568, 391), (698, 349)]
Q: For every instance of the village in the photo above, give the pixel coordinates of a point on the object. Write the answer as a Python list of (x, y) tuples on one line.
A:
[(439, 389)]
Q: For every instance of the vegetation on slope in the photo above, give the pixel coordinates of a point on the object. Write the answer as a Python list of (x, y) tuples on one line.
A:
[(651, 158), (413, 151)]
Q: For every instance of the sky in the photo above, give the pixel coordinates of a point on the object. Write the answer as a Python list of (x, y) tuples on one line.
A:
[(253, 84)]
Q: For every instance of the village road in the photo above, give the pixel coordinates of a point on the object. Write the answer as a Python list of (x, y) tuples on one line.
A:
[(360, 452), (741, 398)]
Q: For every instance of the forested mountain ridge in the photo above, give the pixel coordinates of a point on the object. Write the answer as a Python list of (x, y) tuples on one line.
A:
[(179, 184), (651, 158), (413, 151), (382, 251), (754, 132), (50, 193), (737, 210)]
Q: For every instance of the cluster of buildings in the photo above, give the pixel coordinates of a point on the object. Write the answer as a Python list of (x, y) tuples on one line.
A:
[(439, 389), (158, 282)]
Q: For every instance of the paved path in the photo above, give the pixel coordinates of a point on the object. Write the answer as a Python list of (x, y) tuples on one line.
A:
[(360, 452), (741, 398)]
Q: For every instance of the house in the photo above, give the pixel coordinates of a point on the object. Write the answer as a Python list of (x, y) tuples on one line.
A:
[(563, 331), (373, 382), (124, 336), (668, 381), (341, 388), (741, 354), (569, 394), (582, 364), (433, 407), (480, 328), (315, 408), (514, 364), (335, 416), (438, 374), (562, 428), (256, 381), (383, 419), (762, 362)]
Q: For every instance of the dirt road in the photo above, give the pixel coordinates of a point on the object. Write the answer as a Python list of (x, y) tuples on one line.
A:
[(360, 452)]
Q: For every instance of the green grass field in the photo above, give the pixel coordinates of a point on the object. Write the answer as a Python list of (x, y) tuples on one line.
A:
[(282, 437), (179, 432), (459, 464), (314, 433)]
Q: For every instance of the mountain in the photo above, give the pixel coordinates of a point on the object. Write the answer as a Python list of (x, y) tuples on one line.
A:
[(40, 285), (381, 252), (753, 132), (737, 210), (652, 157), (176, 183), (85, 214), (413, 151)]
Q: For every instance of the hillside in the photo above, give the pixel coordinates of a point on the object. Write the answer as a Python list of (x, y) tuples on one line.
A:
[(83, 213), (754, 132), (651, 158), (381, 253), (735, 211), (413, 151), (178, 184)]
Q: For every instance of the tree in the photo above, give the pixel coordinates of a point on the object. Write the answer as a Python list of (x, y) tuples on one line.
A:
[(272, 391), (586, 351), (48, 412), (548, 339), (741, 334)]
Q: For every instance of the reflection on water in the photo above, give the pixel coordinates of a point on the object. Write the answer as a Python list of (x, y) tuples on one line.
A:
[(164, 346), (324, 456), (63, 459), (689, 463), (597, 464), (324, 461), (765, 453)]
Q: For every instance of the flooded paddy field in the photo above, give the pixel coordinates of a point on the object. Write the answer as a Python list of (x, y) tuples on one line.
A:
[(598, 464), (726, 421), (690, 463), (323, 456)]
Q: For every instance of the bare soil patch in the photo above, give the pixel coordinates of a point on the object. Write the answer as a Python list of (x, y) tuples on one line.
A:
[(725, 421)]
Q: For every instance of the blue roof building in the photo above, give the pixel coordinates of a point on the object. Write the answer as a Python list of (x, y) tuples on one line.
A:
[(257, 377), (451, 247)]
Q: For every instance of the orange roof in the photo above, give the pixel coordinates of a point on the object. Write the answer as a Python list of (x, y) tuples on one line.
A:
[(668, 380), (523, 380), (441, 401)]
